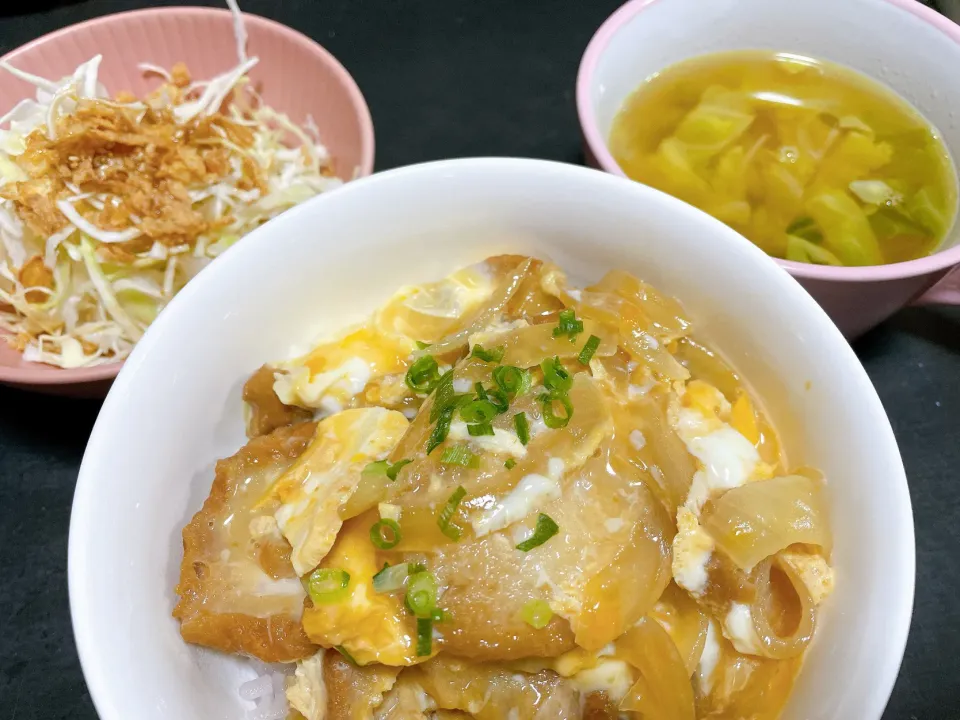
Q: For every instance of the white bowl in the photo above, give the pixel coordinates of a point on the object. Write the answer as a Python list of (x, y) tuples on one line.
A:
[(176, 407)]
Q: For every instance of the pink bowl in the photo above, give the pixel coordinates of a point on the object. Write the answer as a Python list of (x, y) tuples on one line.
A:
[(295, 75), (901, 43)]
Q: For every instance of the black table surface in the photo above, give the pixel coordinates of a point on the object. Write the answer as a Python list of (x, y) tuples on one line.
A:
[(454, 78)]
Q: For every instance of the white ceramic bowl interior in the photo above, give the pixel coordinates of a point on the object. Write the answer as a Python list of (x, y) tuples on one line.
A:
[(909, 52), (176, 406)]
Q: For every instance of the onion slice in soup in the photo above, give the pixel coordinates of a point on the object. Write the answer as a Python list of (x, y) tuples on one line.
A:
[(783, 612), (759, 519), (685, 622), (664, 690)]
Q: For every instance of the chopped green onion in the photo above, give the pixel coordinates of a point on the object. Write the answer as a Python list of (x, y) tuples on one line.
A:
[(423, 375), (380, 467), (510, 464), (546, 529), (385, 534), (495, 355), (537, 614), (444, 520), (499, 400), (593, 342), (551, 419), (481, 393), (440, 430), (569, 325), (424, 637), (522, 427), (478, 411), (391, 578), (422, 345), (414, 568), (328, 586), (512, 380), (460, 455), (343, 651), (480, 429), (443, 395), (555, 375), (422, 594), (439, 615), (395, 469)]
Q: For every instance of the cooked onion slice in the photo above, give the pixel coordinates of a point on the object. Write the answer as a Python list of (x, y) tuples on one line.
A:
[(783, 612), (486, 314), (626, 589), (759, 519), (685, 622), (664, 690), (529, 346)]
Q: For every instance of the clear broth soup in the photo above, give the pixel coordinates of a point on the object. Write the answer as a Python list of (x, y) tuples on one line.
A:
[(811, 161)]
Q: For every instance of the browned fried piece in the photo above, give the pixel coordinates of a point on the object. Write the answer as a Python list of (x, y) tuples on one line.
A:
[(231, 550), (34, 274), (143, 157), (353, 692), (267, 412), (487, 589), (597, 706), (490, 692)]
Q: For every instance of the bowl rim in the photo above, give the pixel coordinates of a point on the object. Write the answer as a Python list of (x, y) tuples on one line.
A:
[(82, 520), (41, 374), (940, 261)]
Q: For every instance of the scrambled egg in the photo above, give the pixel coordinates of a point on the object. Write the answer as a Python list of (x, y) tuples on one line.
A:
[(371, 627), (325, 476)]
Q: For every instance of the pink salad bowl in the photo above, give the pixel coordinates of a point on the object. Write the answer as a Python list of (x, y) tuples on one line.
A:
[(909, 47), (295, 75)]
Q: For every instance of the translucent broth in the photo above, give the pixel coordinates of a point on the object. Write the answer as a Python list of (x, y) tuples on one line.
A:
[(770, 143)]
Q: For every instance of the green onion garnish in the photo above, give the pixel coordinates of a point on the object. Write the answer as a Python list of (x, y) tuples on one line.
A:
[(382, 467), (443, 395), (478, 388), (422, 345), (395, 469), (555, 375), (499, 400), (343, 651), (460, 455), (546, 529), (423, 375), (537, 614), (379, 467), (385, 534), (522, 427), (478, 411), (440, 430), (439, 615), (444, 520), (414, 568), (512, 380), (422, 594), (593, 342), (551, 419), (391, 578), (424, 636), (327, 585), (569, 325), (510, 464), (480, 429), (494, 355)]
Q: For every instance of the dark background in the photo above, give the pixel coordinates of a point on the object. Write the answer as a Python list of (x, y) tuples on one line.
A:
[(450, 78)]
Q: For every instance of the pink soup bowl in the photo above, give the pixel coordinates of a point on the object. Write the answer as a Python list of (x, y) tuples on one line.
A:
[(908, 47), (295, 75)]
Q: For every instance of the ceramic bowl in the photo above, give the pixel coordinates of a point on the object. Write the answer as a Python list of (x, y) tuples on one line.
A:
[(295, 75), (901, 43), (173, 411)]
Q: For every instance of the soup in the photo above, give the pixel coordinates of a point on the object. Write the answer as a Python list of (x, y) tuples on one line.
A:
[(811, 161), (504, 496)]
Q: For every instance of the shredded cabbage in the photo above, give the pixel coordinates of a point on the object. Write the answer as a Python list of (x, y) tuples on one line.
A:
[(83, 306)]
